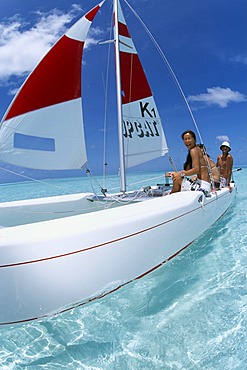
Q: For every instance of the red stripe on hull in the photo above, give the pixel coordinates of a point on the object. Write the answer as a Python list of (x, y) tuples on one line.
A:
[(133, 80), (99, 245), (55, 80)]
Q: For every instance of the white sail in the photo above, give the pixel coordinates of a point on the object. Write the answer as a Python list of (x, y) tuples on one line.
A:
[(144, 137), (43, 127)]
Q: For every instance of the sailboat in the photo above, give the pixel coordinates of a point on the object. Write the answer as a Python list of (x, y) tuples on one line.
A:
[(60, 252)]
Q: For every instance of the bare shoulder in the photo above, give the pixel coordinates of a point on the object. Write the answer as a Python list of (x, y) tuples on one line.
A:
[(196, 151), (219, 158)]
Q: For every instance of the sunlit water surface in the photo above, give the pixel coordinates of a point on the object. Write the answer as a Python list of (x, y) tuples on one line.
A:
[(188, 314)]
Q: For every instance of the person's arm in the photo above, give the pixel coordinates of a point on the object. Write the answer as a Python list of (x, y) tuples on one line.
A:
[(229, 168), (196, 169), (218, 162), (176, 176)]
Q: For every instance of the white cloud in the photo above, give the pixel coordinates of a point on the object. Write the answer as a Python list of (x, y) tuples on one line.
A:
[(219, 96), (93, 36), (21, 47), (239, 59), (222, 138)]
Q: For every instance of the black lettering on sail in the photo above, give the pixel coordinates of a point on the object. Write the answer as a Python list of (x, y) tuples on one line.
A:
[(139, 130), (156, 128), (147, 133), (124, 130), (153, 110), (145, 109), (148, 125), (128, 129)]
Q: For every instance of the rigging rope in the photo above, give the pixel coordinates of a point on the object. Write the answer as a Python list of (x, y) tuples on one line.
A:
[(91, 177), (29, 178), (105, 81), (164, 58)]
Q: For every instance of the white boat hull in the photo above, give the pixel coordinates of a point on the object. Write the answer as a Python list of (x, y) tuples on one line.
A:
[(47, 267)]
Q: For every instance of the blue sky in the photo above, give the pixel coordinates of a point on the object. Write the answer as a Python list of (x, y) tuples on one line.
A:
[(204, 41)]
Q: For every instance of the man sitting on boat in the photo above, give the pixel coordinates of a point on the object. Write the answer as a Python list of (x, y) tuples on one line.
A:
[(194, 165), (225, 163)]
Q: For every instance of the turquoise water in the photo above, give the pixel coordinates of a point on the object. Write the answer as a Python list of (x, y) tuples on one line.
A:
[(188, 314)]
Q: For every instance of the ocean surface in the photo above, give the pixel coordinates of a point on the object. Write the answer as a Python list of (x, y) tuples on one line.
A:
[(189, 314)]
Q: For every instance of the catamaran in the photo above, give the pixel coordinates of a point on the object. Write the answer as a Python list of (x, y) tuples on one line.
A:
[(59, 252)]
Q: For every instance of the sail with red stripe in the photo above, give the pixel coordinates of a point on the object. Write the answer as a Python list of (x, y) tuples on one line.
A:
[(143, 133), (43, 127)]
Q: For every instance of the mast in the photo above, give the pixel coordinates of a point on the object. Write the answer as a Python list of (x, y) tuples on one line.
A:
[(119, 104)]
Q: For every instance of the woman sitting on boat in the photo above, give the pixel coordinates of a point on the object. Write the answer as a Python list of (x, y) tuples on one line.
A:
[(215, 173), (194, 165)]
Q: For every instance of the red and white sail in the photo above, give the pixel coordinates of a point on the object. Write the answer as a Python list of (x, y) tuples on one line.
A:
[(43, 127), (144, 138)]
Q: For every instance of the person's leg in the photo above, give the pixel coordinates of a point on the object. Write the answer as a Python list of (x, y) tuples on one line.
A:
[(176, 187)]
